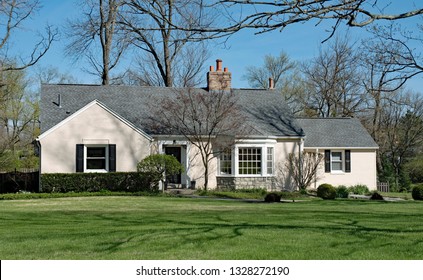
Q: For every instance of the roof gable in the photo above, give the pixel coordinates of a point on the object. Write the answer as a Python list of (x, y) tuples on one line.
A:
[(87, 107)]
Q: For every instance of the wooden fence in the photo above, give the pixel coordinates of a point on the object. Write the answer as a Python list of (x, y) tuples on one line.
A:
[(383, 187), (19, 180)]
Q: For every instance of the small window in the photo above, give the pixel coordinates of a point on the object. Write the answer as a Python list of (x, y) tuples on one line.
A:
[(96, 158), (226, 163), (269, 161), (336, 161)]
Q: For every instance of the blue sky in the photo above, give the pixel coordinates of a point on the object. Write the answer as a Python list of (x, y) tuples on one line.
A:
[(301, 42)]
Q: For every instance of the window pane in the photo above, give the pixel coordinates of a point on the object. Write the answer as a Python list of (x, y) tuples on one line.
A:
[(226, 162), (96, 158), (249, 161), (337, 166), (96, 152), (336, 156), (96, 164), (269, 161)]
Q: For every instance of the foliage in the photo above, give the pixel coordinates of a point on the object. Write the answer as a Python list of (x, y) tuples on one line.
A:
[(417, 192), (376, 196), (28, 195), (18, 122), (359, 189), (342, 192), (156, 167), (272, 197), (414, 168), (95, 182), (326, 191)]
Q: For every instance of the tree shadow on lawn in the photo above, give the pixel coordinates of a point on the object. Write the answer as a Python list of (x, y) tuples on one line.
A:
[(173, 234)]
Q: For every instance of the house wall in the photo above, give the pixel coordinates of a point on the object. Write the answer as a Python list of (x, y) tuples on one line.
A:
[(196, 169), (363, 171), (94, 125)]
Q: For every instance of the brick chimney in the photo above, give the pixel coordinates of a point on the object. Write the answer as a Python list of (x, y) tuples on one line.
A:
[(219, 80), (271, 83)]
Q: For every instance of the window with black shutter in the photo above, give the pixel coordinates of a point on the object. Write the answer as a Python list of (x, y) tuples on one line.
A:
[(348, 161), (95, 158), (79, 158), (327, 161)]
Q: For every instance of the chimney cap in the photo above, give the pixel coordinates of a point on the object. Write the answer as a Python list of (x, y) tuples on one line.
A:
[(218, 65)]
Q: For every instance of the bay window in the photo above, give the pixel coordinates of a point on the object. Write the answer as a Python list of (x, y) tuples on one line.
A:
[(247, 160)]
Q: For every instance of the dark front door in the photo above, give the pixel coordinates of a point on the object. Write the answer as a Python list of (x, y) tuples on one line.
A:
[(176, 152)]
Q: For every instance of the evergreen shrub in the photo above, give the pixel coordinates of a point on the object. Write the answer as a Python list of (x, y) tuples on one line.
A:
[(417, 192), (326, 191), (95, 182)]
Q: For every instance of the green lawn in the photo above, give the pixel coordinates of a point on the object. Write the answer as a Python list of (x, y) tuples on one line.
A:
[(183, 228)]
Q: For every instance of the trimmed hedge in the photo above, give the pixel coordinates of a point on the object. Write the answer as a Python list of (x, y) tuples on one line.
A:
[(95, 182), (417, 192), (326, 191)]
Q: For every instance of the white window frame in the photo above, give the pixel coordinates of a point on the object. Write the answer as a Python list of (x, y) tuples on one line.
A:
[(222, 154), (342, 161), (106, 158), (270, 160), (261, 144), (251, 151)]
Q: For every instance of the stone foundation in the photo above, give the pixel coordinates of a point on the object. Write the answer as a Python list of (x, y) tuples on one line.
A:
[(236, 183)]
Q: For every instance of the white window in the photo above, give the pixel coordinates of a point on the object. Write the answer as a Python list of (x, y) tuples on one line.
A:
[(255, 159), (226, 163), (249, 161), (96, 159), (269, 161), (337, 161)]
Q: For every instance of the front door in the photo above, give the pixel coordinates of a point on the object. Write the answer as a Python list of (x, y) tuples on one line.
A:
[(176, 152)]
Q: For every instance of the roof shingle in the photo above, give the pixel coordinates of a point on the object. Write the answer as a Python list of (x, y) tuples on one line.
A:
[(264, 110), (335, 132)]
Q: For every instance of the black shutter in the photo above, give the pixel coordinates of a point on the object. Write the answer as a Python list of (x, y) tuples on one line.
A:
[(112, 158), (79, 158), (348, 161), (327, 161)]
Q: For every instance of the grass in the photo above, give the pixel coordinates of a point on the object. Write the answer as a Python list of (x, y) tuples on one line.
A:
[(119, 227)]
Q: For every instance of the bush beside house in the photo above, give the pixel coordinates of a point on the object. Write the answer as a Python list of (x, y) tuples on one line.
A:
[(94, 182), (326, 191)]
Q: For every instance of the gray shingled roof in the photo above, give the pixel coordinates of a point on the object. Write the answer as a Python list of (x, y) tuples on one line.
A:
[(265, 111), (335, 132)]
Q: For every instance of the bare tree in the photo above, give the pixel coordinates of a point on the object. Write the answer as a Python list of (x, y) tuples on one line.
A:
[(187, 68), (274, 67), (97, 28), (13, 13), (50, 74), (388, 63), (302, 169), (151, 25), (209, 120), (265, 16), (402, 126), (334, 81)]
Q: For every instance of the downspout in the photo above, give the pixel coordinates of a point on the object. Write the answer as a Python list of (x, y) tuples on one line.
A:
[(315, 174), (38, 144), (300, 162)]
